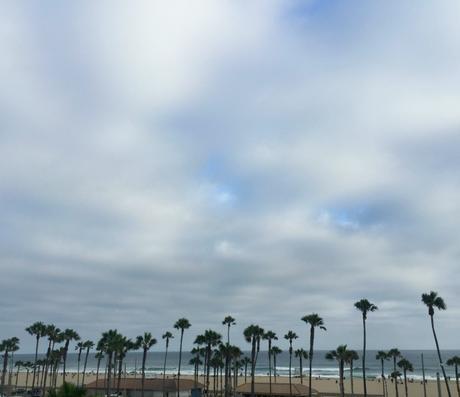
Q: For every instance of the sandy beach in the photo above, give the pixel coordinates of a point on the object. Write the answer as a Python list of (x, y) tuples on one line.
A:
[(322, 385)]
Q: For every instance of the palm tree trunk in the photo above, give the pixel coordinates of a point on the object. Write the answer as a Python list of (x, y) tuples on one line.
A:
[(17, 376), (78, 367), (36, 358), (84, 367), (27, 378), (301, 371), (342, 388), (364, 356), (120, 368), (351, 379), (245, 372), (109, 373), (270, 364), (180, 360), (144, 358), (312, 338), (290, 364), (5, 366), (383, 376), (405, 383), (97, 370), (253, 366), (439, 356), (164, 368), (66, 348), (274, 365), (456, 379), (395, 379), (423, 378)]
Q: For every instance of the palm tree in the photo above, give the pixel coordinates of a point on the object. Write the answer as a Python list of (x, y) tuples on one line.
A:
[(395, 354), (405, 365), (69, 335), (246, 360), (28, 365), (432, 301), (382, 357), (275, 351), (37, 329), (340, 355), (395, 375), (270, 336), (182, 324), (54, 336), (211, 339), (123, 346), (455, 362), (352, 355), (301, 354), (315, 321), (98, 356), (88, 345), (79, 347), (7, 346), (145, 341), (18, 364), (108, 344), (196, 362), (167, 336), (252, 335), (290, 336), (228, 321), (364, 306)]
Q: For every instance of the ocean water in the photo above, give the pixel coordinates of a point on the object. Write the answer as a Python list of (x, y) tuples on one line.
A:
[(321, 366)]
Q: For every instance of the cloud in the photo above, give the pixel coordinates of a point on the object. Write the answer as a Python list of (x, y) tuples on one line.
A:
[(266, 160)]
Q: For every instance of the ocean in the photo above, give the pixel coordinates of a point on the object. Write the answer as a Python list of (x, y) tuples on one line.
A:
[(321, 366)]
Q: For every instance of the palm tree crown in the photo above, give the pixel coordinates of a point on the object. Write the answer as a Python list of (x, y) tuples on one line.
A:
[(432, 300), (365, 307)]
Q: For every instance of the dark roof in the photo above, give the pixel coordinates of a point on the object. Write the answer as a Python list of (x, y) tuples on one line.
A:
[(278, 389), (155, 384)]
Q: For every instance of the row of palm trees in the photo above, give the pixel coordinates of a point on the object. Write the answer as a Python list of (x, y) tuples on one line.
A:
[(216, 354)]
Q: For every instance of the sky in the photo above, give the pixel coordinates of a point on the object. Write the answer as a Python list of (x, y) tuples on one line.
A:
[(264, 159)]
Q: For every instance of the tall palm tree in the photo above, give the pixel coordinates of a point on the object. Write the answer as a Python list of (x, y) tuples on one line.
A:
[(98, 356), (88, 345), (382, 357), (301, 354), (124, 345), (339, 355), (54, 336), (108, 344), (196, 362), (395, 375), (432, 301), (228, 321), (314, 321), (69, 335), (79, 347), (145, 341), (290, 336), (405, 365), (270, 336), (365, 307), (275, 351), (211, 339), (352, 355), (38, 330), (182, 324), (167, 336), (455, 362), (252, 335), (395, 354)]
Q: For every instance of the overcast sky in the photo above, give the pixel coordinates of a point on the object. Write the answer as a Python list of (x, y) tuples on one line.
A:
[(263, 159)]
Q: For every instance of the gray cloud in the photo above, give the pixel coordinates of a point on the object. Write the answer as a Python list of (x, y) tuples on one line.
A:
[(264, 160)]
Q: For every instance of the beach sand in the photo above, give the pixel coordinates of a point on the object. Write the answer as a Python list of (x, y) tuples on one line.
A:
[(322, 385)]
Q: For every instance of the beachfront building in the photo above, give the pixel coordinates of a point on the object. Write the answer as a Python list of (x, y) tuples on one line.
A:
[(130, 387), (278, 390)]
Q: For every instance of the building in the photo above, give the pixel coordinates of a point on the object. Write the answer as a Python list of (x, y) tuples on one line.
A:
[(130, 387), (278, 390)]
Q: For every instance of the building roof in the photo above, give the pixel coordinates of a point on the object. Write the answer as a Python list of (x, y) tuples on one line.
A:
[(278, 389), (155, 384)]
